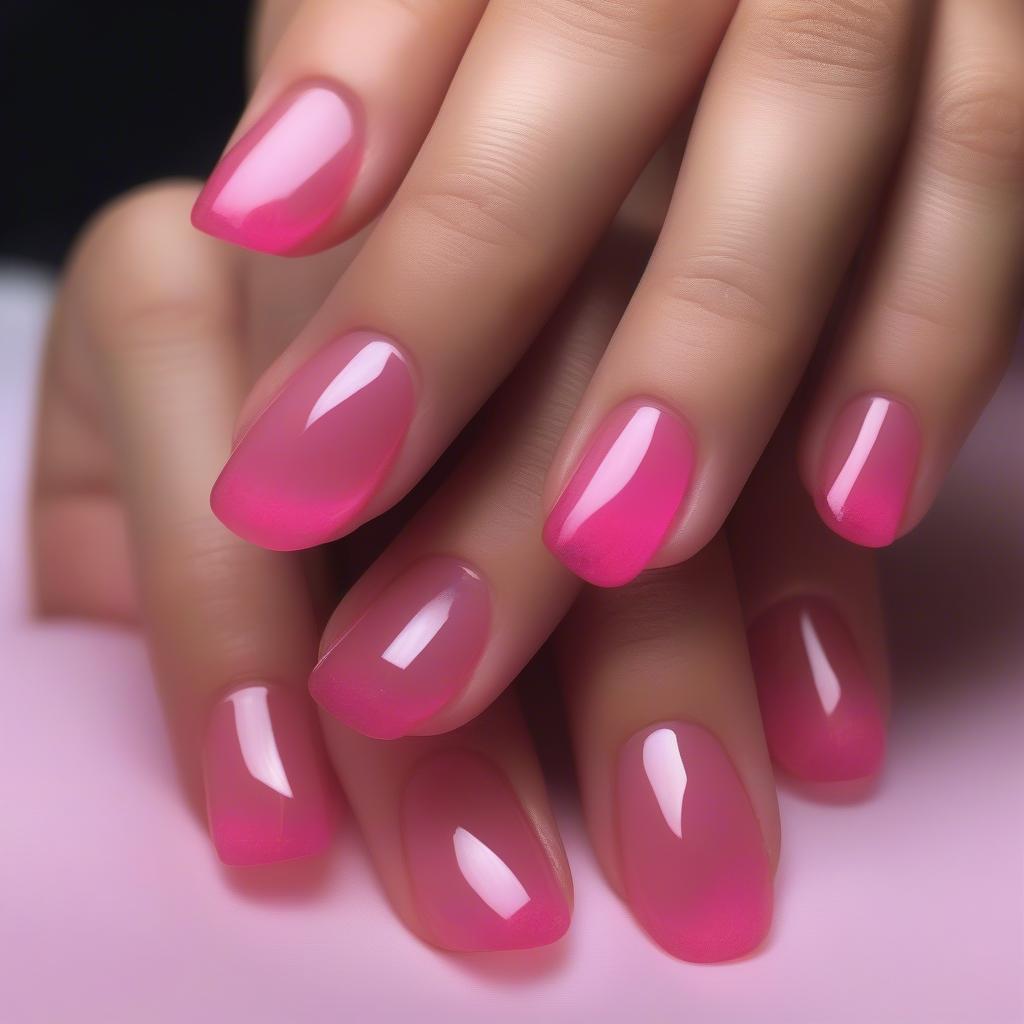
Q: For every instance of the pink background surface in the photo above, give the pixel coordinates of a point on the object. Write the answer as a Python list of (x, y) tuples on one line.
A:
[(903, 907)]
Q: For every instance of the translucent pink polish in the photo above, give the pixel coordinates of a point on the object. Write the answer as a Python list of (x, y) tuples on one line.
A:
[(694, 864), (411, 652), (288, 176), (481, 878), (821, 713), (269, 795), (868, 470), (312, 460), (627, 490)]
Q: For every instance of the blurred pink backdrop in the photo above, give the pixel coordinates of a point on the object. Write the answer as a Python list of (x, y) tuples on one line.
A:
[(904, 905)]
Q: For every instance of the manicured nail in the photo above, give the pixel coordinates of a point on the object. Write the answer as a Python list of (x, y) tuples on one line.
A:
[(410, 653), (821, 713), (288, 176), (694, 863), (481, 877), (868, 470), (309, 464), (622, 499), (268, 791)]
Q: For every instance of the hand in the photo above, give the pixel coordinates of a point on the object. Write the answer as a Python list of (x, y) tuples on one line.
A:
[(156, 332), (889, 129)]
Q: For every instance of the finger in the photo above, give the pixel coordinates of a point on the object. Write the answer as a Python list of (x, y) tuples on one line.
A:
[(485, 235), (461, 833), (337, 114), (814, 627), (675, 779), (925, 346), (800, 116), (229, 626), (455, 607)]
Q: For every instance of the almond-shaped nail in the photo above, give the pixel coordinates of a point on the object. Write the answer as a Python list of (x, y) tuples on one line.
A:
[(694, 863), (868, 470), (288, 176), (624, 496), (309, 464), (269, 795), (822, 715), (410, 653), (481, 877)]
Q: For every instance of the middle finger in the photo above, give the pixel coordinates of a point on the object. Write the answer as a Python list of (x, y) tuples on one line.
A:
[(556, 107)]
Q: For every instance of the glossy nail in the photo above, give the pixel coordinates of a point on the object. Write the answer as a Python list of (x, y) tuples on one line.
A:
[(693, 858), (481, 878), (868, 470), (622, 499), (313, 459), (288, 176), (268, 790), (822, 716), (410, 653)]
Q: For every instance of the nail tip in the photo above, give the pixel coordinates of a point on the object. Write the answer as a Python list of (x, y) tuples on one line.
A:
[(854, 528), (589, 567), (257, 851)]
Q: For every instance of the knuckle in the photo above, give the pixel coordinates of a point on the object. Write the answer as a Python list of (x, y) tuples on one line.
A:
[(477, 203), (976, 124), (834, 43), (719, 284), (615, 29), (145, 277)]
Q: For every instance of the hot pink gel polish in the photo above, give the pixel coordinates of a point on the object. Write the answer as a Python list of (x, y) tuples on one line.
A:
[(821, 713), (268, 790), (868, 470), (410, 653), (481, 878), (288, 176), (312, 460), (694, 864), (619, 504)]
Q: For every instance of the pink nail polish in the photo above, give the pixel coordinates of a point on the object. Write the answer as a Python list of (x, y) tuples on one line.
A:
[(624, 496), (411, 652), (481, 878), (269, 795), (694, 864), (821, 714), (313, 459), (868, 470), (288, 176)]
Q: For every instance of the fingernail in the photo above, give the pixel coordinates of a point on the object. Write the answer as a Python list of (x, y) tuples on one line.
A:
[(868, 470), (410, 653), (694, 864), (288, 176), (822, 716), (481, 878), (268, 791), (313, 459), (619, 504)]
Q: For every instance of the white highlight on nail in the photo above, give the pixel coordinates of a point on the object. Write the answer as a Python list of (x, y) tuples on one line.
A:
[(826, 682), (364, 368), (419, 631), (307, 136), (663, 764), (488, 875), (256, 739), (617, 468), (859, 454)]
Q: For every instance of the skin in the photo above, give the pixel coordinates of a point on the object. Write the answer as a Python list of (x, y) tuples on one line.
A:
[(152, 353), (818, 121), (145, 367)]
